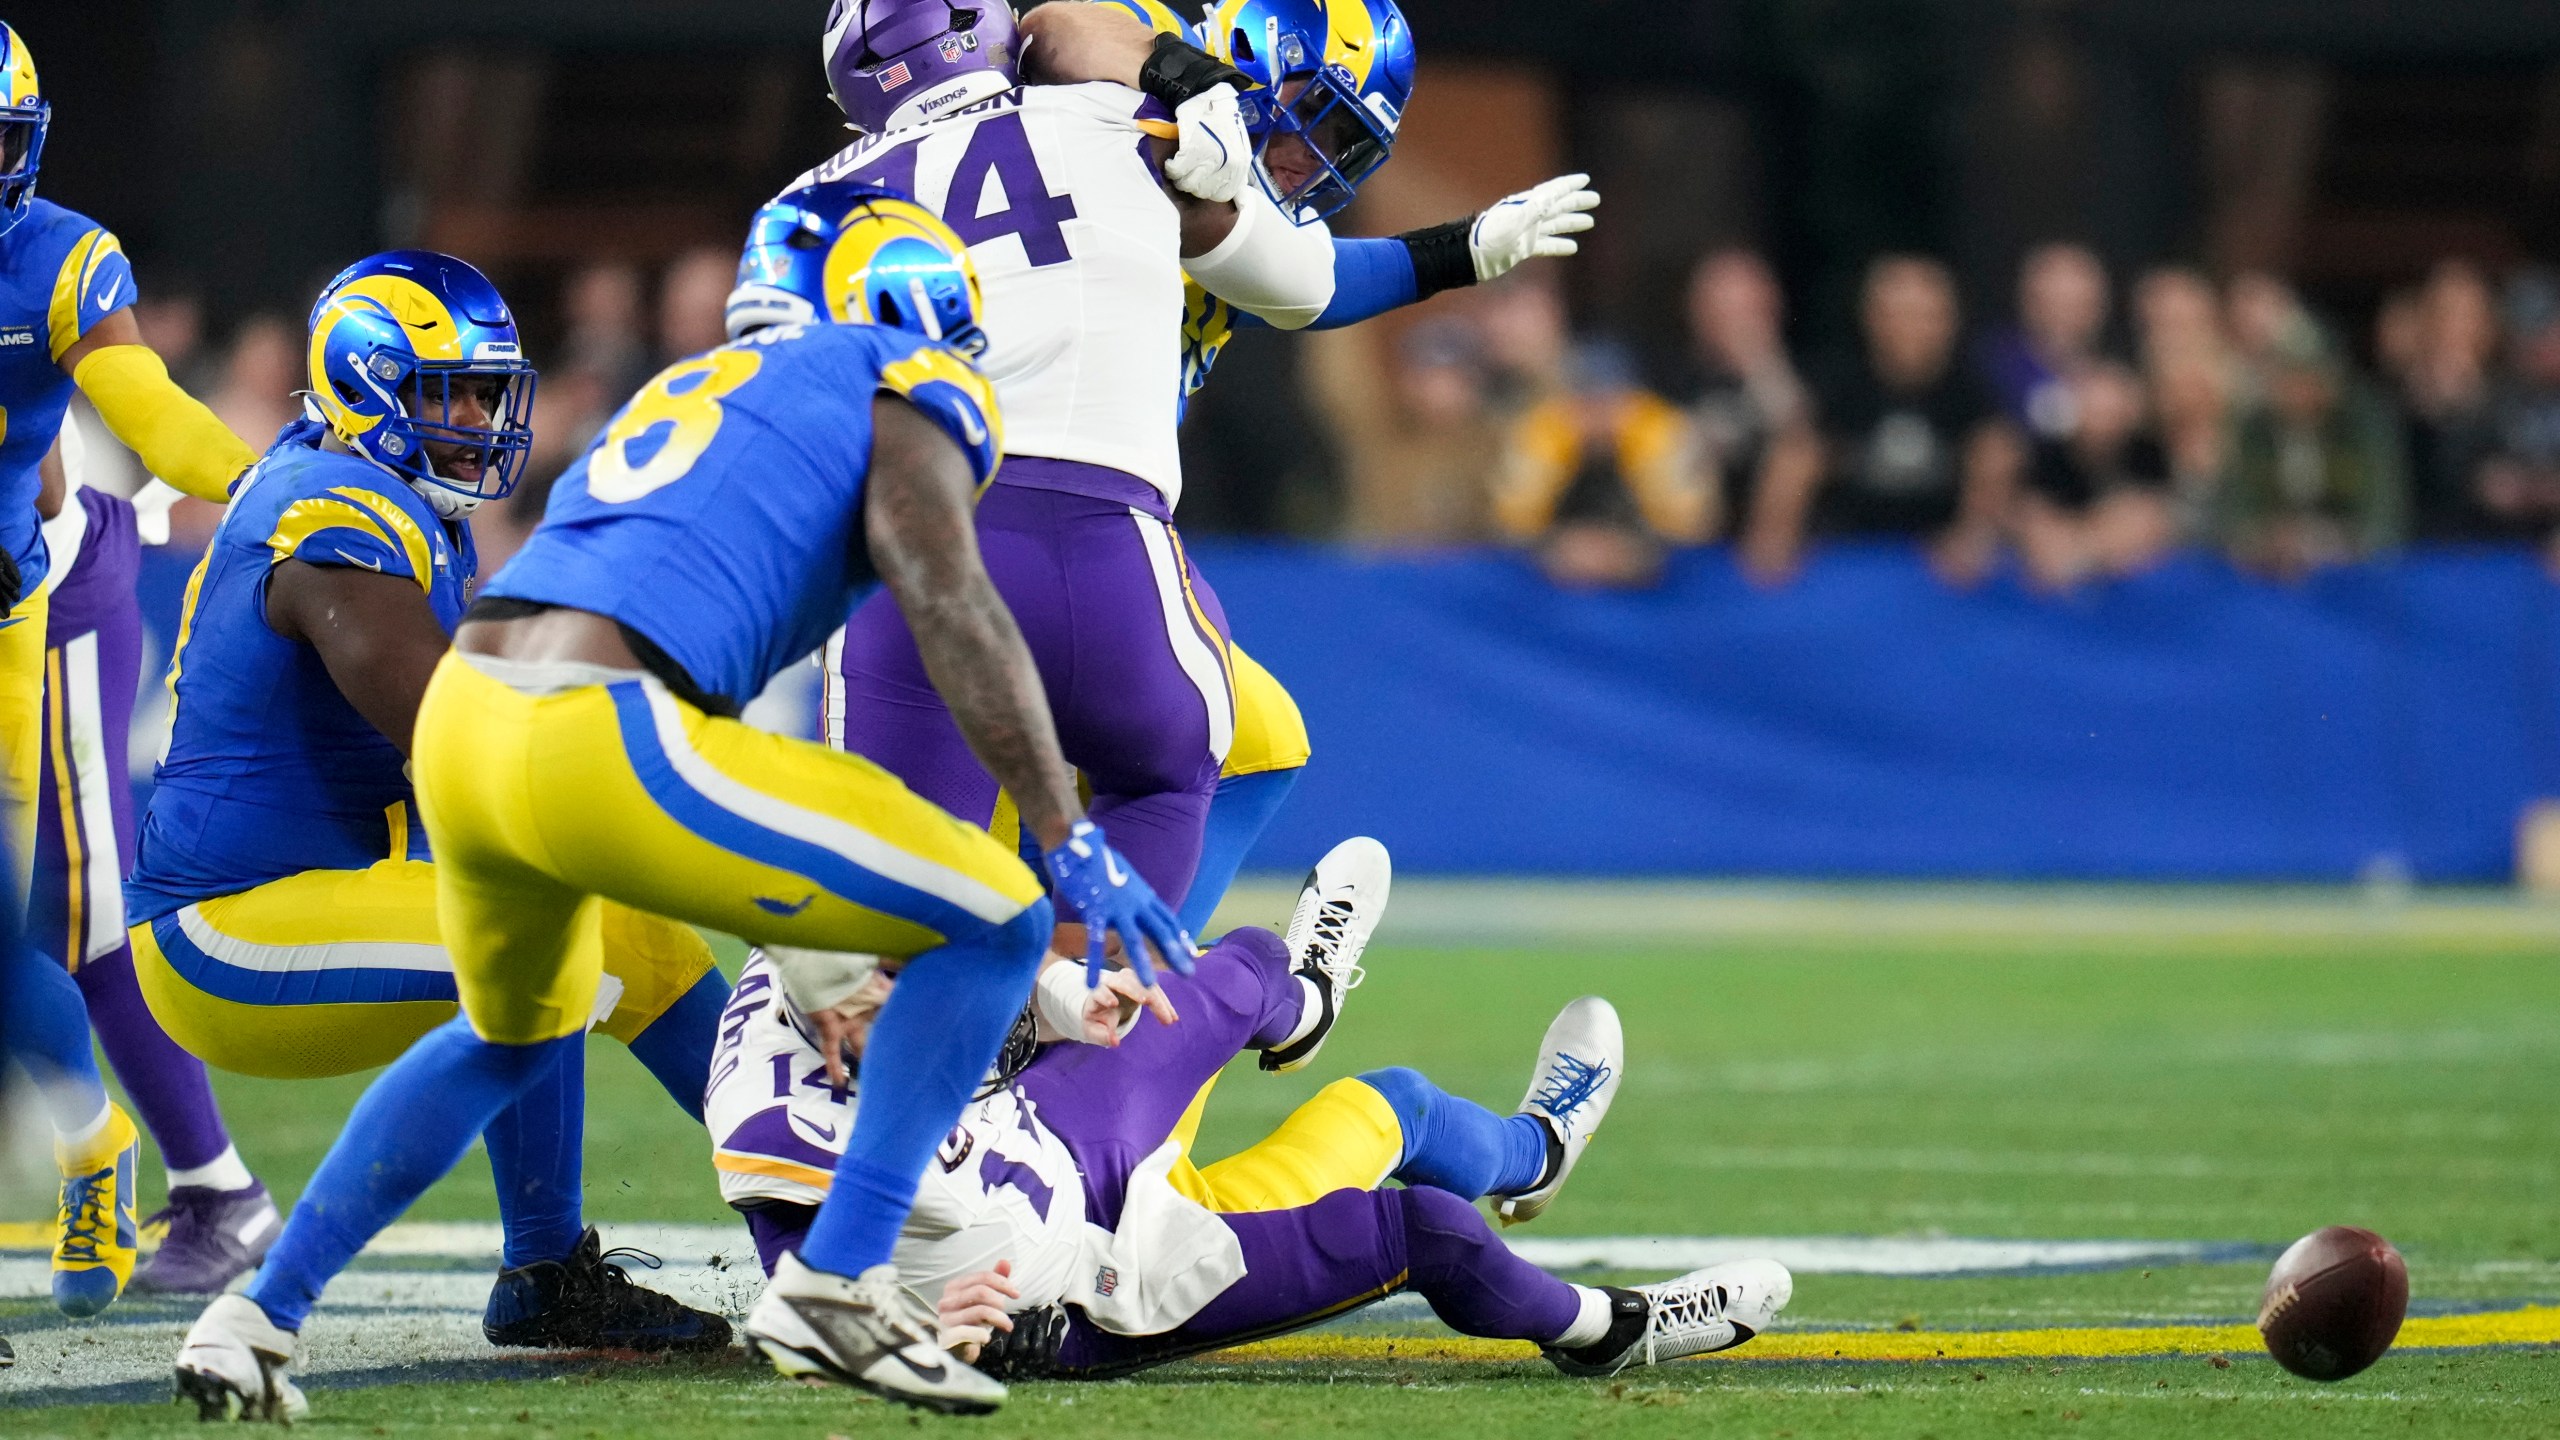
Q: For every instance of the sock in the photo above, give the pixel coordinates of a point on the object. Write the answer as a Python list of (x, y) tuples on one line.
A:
[(413, 1125), (171, 1095), (1589, 1327), (1311, 998), (677, 1045), (778, 1227), (225, 1171), (44, 1027), (1458, 1145), (1238, 814), (534, 1149), (76, 1138), (945, 1020), (1473, 1281)]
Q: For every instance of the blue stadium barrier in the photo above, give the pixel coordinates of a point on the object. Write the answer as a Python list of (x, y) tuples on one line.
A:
[(2192, 724)]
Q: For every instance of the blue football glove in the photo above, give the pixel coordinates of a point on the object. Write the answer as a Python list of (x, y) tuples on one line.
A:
[(1115, 900)]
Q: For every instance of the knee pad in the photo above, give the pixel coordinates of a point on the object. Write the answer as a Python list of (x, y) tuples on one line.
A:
[(1410, 1094)]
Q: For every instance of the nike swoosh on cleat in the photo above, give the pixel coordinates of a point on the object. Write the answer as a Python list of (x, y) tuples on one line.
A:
[(783, 908), (934, 1376)]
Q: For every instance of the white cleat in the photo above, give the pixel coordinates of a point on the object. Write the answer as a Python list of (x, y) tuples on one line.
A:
[(868, 1332), (1579, 1064), (233, 1365), (1700, 1313), (1338, 909)]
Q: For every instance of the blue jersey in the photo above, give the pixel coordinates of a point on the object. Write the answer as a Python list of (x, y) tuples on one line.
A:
[(60, 274), (719, 515), (270, 772)]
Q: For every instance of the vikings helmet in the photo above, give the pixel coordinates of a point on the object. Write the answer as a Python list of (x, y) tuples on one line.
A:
[(856, 254), (1332, 79), (398, 342), (24, 116), (895, 62)]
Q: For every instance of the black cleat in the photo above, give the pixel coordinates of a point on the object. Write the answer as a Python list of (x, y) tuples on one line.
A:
[(588, 1302)]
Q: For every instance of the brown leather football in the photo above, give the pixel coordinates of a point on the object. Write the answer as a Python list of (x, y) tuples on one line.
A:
[(2334, 1302)]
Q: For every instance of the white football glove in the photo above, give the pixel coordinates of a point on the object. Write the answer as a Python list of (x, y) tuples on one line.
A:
[(1213, 153), (1532, 223), (151, 506)]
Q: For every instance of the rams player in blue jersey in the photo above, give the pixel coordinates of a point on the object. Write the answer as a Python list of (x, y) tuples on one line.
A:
[(283, 898), (1331, 82), (66, 297), (579, 745)]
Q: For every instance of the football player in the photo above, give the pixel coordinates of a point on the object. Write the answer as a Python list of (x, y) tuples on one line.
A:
[(66, 319), (1067, 197), (283, 898), (579, 745), (1066, 1228), (1325, 86), (219, 1219)]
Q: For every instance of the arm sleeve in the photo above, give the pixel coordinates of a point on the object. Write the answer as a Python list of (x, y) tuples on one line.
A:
[(1370, 278), (178, 439), (947, 391), (354, 529), (1267, 267)]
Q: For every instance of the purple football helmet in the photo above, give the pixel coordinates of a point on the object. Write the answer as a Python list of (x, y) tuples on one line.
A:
[(895, 62)]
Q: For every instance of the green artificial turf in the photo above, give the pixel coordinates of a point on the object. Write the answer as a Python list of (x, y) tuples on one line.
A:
[(2216, 1087)]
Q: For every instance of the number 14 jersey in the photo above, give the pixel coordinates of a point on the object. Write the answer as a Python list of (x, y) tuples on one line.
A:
[(1056, 193)]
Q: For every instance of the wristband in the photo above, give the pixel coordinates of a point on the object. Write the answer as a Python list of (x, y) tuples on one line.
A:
[(1442, 258), (1176, 70)]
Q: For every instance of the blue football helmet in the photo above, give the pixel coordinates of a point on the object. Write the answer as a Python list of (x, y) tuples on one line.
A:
[(25, 115), (857, 254), (1332, 80), (412, 349)]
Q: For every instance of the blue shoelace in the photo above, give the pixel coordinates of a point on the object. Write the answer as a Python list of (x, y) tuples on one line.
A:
[(1569, 1086), (88, 1211)]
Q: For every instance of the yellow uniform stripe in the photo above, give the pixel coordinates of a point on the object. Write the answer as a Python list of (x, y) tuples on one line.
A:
[(412, 540), (62, 318), (305, 518), (75, 865), (807, 1175)]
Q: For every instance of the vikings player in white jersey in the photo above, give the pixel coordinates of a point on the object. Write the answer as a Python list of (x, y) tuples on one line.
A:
[(1066, 1233)]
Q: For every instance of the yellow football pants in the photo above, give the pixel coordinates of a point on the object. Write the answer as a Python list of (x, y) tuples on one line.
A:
[(333, 971), (1270, 733), (538, 807), (22, 731), (1346, 1137)]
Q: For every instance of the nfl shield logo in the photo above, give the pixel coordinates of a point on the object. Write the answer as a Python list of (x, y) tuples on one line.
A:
[(951, 50), (1105, 1280), (895, 76)]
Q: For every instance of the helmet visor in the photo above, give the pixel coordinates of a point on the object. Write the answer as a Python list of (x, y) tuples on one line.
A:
[(475, 422), (20, 128)]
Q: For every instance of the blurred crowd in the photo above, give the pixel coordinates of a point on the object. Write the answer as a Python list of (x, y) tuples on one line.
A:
[(2105, 427)]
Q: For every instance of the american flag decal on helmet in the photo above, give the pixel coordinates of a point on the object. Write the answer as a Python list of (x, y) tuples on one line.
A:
[(895, 76)]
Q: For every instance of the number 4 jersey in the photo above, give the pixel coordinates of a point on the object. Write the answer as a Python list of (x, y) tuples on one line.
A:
[(1056, 192)]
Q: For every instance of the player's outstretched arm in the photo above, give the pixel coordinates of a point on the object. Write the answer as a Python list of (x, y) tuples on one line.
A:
[(178, 439), (376, 633), (920, 517)]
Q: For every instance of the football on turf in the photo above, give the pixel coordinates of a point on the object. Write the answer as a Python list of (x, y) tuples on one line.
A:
[(2334, 1302)]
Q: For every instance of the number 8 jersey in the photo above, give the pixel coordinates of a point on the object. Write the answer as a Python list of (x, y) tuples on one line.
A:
[(719, 514), (1079, 251)]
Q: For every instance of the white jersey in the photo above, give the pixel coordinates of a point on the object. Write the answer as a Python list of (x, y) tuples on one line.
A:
[(1002, 1187), (1079, 252)]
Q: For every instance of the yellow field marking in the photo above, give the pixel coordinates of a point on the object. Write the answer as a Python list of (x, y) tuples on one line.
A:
[(2532, 1325)]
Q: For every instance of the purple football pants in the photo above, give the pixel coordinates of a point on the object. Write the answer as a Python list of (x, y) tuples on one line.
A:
[(84, 831), (1131, 645)]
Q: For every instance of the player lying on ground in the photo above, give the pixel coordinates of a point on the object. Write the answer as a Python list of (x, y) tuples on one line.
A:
[(579, 744), (66, 294), (1065, 1228), (284, 897), (219, 1219), (1213, 748)]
